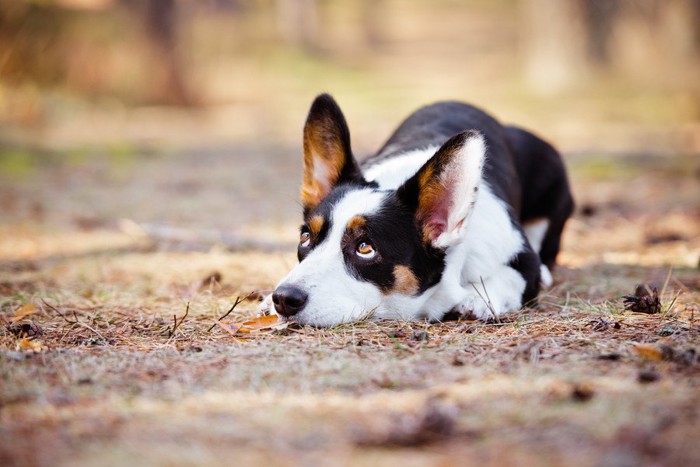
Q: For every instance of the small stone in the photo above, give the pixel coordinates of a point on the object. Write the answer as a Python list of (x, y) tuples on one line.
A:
[(420, 336), (646, 377), (457, 361), (582, 393), (613, 357)]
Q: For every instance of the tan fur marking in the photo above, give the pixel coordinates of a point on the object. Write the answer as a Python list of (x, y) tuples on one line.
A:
[(315, 225), (405, 282), (431, 191), (356, 223), (318, 150)]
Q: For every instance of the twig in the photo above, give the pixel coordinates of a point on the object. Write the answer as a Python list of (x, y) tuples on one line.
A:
[(668, 278), (76, 321), (230, 310), (93, 330), (486, 300), (176, 324), (673, 302), (227, 328), (60, 314)]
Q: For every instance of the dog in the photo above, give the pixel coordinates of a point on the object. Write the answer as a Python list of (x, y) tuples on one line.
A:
[(456, 215)]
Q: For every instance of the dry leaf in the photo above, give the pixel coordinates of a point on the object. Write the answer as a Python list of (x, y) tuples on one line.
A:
[(231, 330), (259, 323), (650, 351), (30, 345), (23, 311)]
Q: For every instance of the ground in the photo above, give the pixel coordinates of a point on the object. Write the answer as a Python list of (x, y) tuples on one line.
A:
[(113, 348)]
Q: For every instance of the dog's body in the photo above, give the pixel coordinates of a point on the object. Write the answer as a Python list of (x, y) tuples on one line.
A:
[(440, 223)]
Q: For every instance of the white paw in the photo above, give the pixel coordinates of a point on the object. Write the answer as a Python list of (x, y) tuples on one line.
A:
[(477, 306), (546, 279), (495, 296)]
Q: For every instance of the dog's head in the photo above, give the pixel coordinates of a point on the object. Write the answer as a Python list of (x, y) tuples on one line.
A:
[(366, 251)]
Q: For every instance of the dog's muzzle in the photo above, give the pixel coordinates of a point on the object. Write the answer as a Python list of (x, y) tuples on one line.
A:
[(289, 300)]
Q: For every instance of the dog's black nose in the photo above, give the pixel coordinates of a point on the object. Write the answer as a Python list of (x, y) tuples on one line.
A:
[(289, 300)]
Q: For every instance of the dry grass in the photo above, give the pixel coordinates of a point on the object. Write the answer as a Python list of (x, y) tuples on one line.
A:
[(131, 368)]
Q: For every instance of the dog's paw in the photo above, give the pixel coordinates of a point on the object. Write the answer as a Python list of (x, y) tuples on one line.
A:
[(546, 279), (474, 307), (487, 301), (483, 309)]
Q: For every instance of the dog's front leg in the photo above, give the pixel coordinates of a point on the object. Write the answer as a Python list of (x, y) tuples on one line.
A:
[(492, 296)]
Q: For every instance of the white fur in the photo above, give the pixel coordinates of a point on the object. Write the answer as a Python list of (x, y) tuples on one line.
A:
[(546, 279), (535, 231), (391, 173), (477, 277)]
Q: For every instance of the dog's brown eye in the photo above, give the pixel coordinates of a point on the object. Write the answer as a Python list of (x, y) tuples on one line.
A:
[(305, 239), (365, 250)]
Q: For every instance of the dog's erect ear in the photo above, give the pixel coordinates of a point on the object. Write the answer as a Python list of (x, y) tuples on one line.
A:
[(444, 190), (328, 159)]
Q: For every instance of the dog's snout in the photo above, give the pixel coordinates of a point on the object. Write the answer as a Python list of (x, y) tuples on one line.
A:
[(289, 300)]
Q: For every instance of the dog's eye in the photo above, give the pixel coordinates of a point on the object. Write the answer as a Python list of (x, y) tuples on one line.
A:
[(305, 239), (365, 250)]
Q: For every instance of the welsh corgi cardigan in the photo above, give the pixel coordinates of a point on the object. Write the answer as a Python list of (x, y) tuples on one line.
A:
[(456, 215)]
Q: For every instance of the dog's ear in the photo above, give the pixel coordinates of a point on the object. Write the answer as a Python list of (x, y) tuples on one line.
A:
[(328, 159), (444, 190)]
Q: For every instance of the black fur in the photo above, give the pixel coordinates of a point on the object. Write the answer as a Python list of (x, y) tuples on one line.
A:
[(546, 194)]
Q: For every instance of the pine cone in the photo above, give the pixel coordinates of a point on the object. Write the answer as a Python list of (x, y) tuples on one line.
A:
[(27, 329), (645, 300)]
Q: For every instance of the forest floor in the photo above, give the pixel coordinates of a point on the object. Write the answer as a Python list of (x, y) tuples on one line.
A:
[(112, 350)]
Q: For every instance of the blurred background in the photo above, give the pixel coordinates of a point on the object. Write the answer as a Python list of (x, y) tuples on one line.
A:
[(188, 113)]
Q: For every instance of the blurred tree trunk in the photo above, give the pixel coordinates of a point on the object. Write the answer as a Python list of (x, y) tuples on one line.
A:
[(643, 39), (298, 23), (655, 39), (374, 17), (169, 77), (555, 44), (599, 17)]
